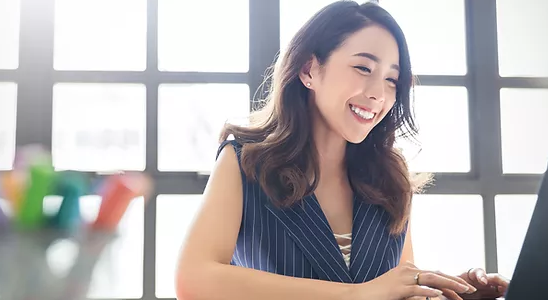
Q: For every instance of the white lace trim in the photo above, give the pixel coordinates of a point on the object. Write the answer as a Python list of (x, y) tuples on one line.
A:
[(345, 250)]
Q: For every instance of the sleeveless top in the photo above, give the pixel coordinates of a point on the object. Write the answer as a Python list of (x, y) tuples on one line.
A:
[(299, 242)]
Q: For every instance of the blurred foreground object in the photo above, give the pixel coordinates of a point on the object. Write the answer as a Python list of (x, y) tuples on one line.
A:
[(28, 234)]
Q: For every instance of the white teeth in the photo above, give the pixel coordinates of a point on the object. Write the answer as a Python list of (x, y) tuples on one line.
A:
[(362, 113)]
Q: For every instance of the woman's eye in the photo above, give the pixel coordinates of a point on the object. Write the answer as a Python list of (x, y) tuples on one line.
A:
[(393, 81), (363, 69)]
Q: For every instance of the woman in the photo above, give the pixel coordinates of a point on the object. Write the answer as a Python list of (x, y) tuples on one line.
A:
[(311, 200)]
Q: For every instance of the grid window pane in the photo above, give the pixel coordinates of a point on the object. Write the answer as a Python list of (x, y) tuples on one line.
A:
[(521, 27), (100, 35), (439, 111), (119, 271), (437, 221), (194, 37), (513, 214), (8, 108), (294, 14), (174, 216), (524, 143), (435, 32), (9, 34), (190, 117), (99, 127)]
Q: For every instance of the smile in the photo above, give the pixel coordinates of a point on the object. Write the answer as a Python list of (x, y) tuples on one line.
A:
[(364, 114)]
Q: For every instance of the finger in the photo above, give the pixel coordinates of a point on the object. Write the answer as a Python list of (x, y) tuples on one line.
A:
[(501, 290), (480, 276), (437, 281), (491, 292), (451, 295), (497, 279), (420, 291), (471, 288)]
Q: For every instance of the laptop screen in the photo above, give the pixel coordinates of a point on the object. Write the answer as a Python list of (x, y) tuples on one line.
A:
[(529, 280)]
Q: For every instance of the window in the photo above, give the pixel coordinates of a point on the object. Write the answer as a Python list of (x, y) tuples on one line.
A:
[(524, 148), (294, 14), (447, 232), (119, 271), (435, 32), (8, 108), (443, 141), (513, 214), (203, 36), (190, 118), (99, 127), (100, 35), (522, 44), (174, 216), (9, 34)]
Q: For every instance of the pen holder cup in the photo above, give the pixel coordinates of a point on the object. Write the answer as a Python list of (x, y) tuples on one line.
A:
[(29, 268)]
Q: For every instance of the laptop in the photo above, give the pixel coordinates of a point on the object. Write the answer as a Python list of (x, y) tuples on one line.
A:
[(530, 280)]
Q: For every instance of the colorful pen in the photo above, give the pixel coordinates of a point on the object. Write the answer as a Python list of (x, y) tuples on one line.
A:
[(119, 190), (41, 180), (12, 187), (71, 186)]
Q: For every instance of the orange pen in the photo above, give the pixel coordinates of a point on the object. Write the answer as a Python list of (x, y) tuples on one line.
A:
[(13, 184), (118, 192)]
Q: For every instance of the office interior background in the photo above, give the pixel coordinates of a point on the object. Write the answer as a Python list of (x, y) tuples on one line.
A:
[(145, 85)]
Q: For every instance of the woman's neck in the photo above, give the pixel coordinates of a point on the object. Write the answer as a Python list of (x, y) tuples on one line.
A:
[(331, 149)]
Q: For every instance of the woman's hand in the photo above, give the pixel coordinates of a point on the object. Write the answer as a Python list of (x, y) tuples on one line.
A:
[(487, 285), (401, 283)]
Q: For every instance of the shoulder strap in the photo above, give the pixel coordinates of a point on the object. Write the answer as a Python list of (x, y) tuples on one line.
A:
[(236, 145), (238, 148)]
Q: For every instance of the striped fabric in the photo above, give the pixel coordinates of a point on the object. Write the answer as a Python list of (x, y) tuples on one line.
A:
[(299, 242)]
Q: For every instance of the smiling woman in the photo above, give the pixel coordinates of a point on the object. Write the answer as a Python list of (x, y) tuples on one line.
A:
[(311, 200), (338, 88)]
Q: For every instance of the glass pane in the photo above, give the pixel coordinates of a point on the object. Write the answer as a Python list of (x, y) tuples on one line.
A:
[(521, 31), (9, 34), (524, 143), (194, 37), (440, 110), (513, 214), (8, 108), (438, 49), (100, 35), (442, 240), (174, 216), (294, 14), (190, 118), (99, 127), (119, 271)]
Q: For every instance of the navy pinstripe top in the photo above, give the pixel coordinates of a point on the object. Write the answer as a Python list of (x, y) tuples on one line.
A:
[(299, 242)]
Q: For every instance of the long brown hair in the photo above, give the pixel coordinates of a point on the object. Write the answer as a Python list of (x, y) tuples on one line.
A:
[(278, 151)]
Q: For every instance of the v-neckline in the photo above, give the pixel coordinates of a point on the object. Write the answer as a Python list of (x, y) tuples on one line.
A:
[(333, 239)]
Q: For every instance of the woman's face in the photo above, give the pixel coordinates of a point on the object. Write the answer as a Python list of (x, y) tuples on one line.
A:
[(356, 87)]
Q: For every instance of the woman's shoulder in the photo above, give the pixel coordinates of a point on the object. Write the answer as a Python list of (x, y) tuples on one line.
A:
[(237, 146)]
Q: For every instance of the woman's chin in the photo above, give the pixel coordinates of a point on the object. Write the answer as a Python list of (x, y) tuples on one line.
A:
[(355, 138)]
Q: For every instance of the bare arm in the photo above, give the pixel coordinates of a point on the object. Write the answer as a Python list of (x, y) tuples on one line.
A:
[(409, 256), (407, 252), (204, 270)]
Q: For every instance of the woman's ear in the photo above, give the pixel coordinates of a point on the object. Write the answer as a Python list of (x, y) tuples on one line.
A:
[(309, 72)]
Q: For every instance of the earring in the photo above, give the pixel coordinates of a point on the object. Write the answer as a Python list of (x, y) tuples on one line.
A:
[(308, 84)]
